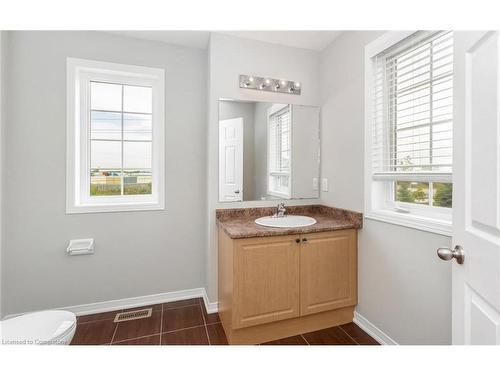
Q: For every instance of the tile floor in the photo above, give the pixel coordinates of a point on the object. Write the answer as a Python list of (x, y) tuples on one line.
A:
[(188, 323)]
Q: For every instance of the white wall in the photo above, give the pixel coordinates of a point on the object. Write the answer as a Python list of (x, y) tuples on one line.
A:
[(228, 58), (404, 289), (137, 253)]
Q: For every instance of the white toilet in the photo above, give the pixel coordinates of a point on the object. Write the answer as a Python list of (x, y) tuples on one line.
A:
[(52, 327)]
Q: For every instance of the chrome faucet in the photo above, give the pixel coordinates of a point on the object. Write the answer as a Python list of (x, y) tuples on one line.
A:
[(280, 210)]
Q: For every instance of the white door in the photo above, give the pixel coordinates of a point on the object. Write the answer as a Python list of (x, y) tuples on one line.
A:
[(231, 160), (476, 188)]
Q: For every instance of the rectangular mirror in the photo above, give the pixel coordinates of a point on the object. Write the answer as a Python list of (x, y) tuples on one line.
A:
[(268, 151)]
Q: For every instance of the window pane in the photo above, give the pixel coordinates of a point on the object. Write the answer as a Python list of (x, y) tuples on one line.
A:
[(283, 181), (105, 125), (105, 96), (137, 99), (105, 182), (412, 192), (285, 161), (105, 154), (443, 194), (136, 155), (137, 127), (137, 182)]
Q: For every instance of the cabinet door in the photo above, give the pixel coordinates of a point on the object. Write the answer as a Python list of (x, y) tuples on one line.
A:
[(266, 280), (328, 271)]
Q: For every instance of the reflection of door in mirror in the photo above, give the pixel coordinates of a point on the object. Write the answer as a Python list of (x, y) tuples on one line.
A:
[(231, 160)]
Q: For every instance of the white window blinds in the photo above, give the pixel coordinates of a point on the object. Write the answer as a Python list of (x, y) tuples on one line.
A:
[(413, 108), (279, 138), (279, 157)]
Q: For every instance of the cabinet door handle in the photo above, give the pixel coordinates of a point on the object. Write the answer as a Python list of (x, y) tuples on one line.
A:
[(297, 240), (304, 240)]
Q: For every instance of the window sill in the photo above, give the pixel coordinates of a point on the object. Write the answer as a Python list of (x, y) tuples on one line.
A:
[(124, 207), (278, 194), (422, 223)]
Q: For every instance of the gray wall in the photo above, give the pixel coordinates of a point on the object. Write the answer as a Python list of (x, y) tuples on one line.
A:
[(137, 253), (305, 151), (404, 289), (261, 149), (231, 109)]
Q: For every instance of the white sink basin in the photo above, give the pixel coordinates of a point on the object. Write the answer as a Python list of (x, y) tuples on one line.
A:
[(287, 221)]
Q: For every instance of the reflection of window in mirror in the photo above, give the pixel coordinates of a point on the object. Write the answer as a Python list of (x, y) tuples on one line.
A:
[(279, 156)]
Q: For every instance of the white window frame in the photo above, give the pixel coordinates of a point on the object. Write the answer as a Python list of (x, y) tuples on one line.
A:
[(271, 110), (79, 74), (379, 194)]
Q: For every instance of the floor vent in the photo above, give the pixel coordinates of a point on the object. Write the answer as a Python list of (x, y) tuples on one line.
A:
[(132, 315)]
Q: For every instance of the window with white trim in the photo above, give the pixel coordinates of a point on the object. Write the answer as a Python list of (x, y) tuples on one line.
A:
[(115, 144), (279, 151), (411, 137)]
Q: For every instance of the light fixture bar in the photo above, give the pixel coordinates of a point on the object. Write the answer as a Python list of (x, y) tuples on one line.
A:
[(270, 84)]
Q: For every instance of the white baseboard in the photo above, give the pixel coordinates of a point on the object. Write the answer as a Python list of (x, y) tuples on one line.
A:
[(127, 303), (212, 307), (372, 330)]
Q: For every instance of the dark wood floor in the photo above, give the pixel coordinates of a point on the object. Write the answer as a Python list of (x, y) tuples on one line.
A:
[(187, 323)]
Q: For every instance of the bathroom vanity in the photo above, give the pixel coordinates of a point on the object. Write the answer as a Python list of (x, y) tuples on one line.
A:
[(280, 282), (285, 275)]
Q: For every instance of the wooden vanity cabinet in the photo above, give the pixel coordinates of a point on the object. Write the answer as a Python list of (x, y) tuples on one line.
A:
[(279, 286), (266, 280), (328, 271)]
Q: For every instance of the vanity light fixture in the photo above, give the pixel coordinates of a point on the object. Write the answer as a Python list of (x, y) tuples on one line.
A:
[(270, 84)]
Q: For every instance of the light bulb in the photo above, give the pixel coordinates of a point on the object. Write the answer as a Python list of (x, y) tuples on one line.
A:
[(250, 79), (297, 84)]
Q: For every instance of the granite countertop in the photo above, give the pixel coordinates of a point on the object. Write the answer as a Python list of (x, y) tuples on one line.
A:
[(240, 222)]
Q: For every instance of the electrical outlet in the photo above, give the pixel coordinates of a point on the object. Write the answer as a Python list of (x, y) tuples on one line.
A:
[(324, 184)]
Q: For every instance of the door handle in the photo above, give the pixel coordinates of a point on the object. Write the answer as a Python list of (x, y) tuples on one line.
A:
[(446, 253), (236, 192)]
